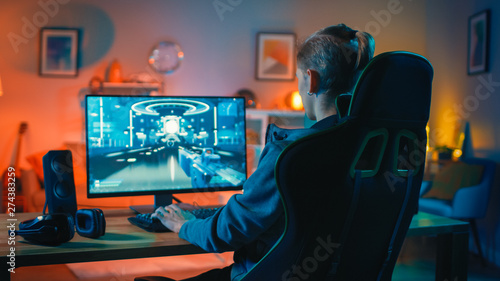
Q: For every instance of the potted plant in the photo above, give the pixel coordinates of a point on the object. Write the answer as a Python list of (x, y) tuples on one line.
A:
[(444, 152)]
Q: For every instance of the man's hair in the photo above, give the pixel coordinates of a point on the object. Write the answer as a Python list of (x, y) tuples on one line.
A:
[(339, 54)]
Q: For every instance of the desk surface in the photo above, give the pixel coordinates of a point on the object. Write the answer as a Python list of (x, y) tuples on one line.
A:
[(429, 224), (121, 241), (126, 241)]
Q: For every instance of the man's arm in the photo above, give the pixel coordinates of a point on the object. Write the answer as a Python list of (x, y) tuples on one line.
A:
[(245, 216)]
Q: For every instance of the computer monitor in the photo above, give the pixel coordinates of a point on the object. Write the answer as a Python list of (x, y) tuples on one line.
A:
[(162, 145)]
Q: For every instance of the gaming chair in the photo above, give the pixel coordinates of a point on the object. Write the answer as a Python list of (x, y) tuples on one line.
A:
[(350, 192)]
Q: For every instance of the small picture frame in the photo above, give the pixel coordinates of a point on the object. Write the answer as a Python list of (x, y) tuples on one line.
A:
[(275, 56), (59, 52), (478, 45)]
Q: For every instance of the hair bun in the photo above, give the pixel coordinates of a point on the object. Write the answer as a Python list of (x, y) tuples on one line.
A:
[(352, 34)]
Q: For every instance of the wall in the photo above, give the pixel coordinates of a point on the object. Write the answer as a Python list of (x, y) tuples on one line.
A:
[(458, 96), (218, 42)]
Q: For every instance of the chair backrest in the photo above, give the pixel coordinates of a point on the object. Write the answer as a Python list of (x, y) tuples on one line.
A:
[(472, 202), (350, 192)]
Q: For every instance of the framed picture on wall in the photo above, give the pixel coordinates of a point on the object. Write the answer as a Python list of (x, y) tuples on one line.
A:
[(275, 56), (478, 50), (59, 52)]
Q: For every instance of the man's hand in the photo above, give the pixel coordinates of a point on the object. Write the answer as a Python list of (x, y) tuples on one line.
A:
[(173, 217)]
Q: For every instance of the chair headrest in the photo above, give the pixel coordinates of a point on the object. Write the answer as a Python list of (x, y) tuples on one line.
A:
[(395, 86)]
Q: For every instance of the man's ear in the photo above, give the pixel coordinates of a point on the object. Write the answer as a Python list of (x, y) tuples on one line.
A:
[(314, 80)]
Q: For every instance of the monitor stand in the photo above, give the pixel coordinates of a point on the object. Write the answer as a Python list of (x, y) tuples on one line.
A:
[(160, 201)]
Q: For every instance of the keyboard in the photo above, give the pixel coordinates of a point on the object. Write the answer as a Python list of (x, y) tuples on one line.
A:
[(153, 224)]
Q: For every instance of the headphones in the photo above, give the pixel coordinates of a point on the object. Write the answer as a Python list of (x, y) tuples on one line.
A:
[(50, 229), (58, 228), (90, 223)]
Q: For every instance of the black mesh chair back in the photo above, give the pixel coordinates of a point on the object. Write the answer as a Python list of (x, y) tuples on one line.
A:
[(350, 192)]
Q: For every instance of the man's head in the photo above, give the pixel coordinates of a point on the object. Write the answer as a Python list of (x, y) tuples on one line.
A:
[(330, 61)]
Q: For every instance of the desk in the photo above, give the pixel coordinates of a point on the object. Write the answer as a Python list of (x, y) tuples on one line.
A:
[(125, 241), (121, 241), (452, 244)]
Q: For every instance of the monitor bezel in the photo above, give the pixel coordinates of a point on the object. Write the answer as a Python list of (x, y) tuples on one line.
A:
[(162, 192)]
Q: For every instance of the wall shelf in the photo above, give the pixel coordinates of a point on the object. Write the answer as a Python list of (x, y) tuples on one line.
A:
[(131, 85), (257, 122), (132, 88)]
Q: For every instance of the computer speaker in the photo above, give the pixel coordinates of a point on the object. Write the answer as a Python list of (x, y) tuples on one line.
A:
[(59, 182)]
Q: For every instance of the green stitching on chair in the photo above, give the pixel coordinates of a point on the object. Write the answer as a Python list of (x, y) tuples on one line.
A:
[(380, 148), (413, 150)]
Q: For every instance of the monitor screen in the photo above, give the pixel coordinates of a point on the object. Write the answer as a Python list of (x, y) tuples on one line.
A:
[(143, 145)]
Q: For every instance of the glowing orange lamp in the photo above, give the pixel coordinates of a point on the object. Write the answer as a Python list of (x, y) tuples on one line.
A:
[(294, 101)]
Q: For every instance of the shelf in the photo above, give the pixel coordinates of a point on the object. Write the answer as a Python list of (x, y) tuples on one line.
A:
[(131, 85), (256, 125), (277, 113), (131, 88), (258, 120)]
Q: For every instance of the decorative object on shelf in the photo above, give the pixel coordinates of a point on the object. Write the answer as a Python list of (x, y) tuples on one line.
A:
[(294, 101), (149, 82), (275, 56), (460, 148), (166, 57), (96, 85), (59, 52), (250, 99), (142, 77), (479, 41), (132, 88), (444, 152), (114, 73), (463, 141)]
